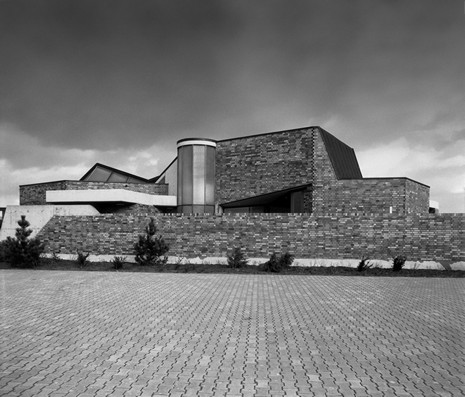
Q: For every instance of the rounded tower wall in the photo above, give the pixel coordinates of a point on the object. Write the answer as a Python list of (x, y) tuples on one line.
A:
[(196, 175)]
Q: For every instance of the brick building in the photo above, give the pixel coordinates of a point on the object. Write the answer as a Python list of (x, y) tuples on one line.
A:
[(305, 170), (299, 191)]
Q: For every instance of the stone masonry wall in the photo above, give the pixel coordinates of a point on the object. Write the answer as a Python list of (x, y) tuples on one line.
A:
[(35, 194), (260, 164), (420, 237)]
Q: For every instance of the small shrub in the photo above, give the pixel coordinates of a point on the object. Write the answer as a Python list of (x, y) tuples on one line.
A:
[(150, 249), (55, 257), (363, 265), (398, 263), (189, 267), (22, 251), (118, 262), (81, 259), (178, 263), (237, 259), (3, 251), (277, 264)]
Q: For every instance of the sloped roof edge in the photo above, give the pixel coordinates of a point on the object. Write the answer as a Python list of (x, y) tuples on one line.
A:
[(342, 156), (113, 170), (156, 178)]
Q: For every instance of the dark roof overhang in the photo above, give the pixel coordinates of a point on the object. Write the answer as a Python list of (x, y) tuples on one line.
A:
[(263, 199)]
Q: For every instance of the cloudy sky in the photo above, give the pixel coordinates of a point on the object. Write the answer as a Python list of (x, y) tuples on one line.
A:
[(119, 82)]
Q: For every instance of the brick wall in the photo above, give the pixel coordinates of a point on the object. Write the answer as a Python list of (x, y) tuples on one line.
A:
[(420, 237), (136, 209), (375, 196), (256, 165), (35, 194), (324, 177), (365, 196), (417, 197)]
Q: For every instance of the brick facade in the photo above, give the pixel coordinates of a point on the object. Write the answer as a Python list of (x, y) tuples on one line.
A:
[(362, 196), (255, 165), (416, 197), (374, 196), (35, 194), (420, 237)]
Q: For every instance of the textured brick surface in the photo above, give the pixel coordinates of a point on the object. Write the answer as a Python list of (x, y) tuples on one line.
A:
[(420, 237), (373, 196), (255, 165), (121, 334), (366, 196), (35, 194), (251, 166)]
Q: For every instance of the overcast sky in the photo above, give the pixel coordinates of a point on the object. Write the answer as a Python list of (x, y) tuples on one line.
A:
[(119, 82)]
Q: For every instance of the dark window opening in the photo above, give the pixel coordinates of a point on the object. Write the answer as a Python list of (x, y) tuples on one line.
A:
[(289, 201)]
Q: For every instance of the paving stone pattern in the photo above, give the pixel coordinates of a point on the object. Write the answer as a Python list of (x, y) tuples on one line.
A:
[(122, 334)]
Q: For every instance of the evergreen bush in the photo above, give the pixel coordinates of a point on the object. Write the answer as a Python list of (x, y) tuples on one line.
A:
[(3, 251), (398, 263), (151, 249), (22, 251), (81, 259), (237, 259), (118, 262), (363, 265), (277, 264)]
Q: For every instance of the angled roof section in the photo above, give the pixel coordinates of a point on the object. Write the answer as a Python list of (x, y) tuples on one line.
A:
[(342, 157), (156, 178), (104, 173)]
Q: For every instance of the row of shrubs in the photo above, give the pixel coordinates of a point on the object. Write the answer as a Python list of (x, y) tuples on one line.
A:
[(276, 264), (150, 250), (398, 263)]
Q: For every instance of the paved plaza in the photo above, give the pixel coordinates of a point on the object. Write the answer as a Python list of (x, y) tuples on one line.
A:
[(148, 334)]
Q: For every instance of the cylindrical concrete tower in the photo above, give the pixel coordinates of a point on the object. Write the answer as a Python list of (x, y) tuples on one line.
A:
[(196, 175)]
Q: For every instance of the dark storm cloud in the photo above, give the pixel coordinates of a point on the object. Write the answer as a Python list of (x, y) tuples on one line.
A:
[(131, 75), (109, 73), (86, 72)]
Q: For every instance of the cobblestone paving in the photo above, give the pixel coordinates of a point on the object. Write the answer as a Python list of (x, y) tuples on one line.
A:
[(123, 334)]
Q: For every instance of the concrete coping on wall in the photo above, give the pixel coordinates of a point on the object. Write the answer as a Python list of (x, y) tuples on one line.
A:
[(109, 195), (301, 262), (298, 214), (84, 183), (385, 178)]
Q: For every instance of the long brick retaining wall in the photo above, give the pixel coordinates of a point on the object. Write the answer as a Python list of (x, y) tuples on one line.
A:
[(438, 237)]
